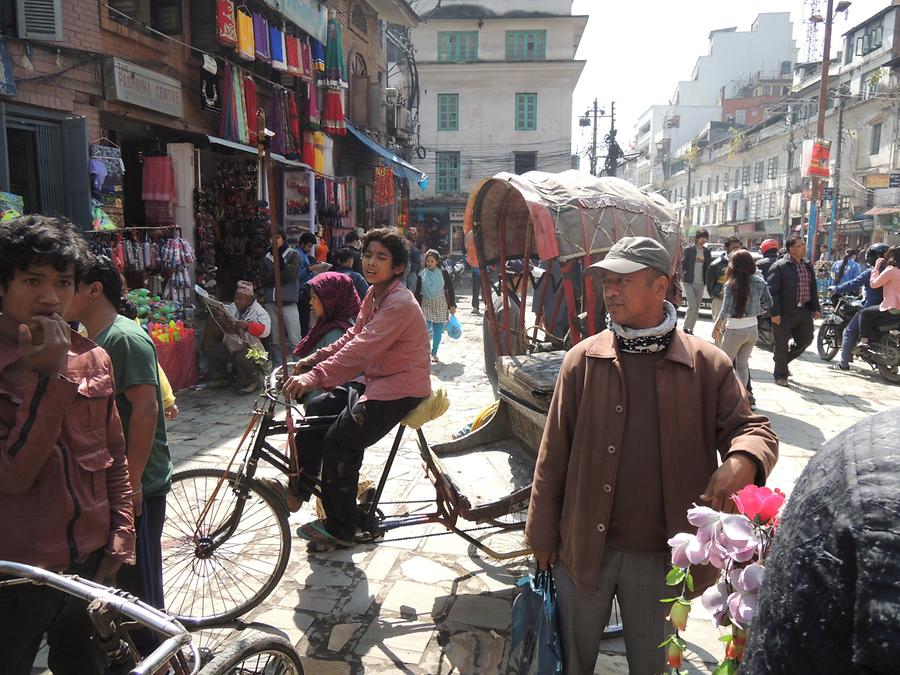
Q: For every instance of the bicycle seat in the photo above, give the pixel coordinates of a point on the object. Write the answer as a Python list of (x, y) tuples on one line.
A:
[(430, 409)]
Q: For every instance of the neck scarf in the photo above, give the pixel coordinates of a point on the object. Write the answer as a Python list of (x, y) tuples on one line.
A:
[(432, 282), (340, 303), (646, 340)]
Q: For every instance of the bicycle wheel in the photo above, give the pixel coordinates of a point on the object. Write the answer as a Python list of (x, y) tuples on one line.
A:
[(237, 556), (258, 654)]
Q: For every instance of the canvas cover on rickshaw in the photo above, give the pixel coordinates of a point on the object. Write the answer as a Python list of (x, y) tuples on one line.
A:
[(573, 214)]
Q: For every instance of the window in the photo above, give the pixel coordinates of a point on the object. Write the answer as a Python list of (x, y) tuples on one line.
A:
[(524, 162), (447, 165), (708, 186), (773, 204), (875, 142), (448, 112), (745, 175), (740, 116), (870, 40), (526, 112), (758, 170), (869, 84), (717, 183), (358, 19), (526, 45), (772, 169), (458, 47), (737, 177), (165, 16)]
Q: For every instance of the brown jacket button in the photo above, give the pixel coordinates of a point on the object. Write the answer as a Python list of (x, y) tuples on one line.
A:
[(611, 449), (607, 488), (619, 409), (601, 528)]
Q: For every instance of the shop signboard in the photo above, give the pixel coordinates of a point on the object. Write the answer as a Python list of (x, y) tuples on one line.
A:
[(310, 15), (142, 87), (894, 180)]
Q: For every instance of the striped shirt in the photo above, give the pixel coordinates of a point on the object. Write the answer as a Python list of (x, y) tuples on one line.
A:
[(388, 343)]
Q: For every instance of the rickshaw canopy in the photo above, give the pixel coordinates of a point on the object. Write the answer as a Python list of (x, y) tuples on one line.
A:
[(572, 215)]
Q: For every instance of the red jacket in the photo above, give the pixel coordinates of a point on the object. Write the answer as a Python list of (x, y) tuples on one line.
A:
[(64, 486)]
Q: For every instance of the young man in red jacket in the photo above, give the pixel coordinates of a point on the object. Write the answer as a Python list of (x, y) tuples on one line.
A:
[(65, 495)]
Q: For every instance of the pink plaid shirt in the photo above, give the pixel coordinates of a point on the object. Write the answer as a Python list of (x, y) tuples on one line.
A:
[(804, 282)]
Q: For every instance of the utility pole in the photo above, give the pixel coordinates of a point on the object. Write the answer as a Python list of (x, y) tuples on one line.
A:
[(613, 151), (836, 183), (786, 215), (597, 113)]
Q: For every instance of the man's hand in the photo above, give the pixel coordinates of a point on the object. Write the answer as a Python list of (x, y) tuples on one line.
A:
[(294, 387), (107, 569), (453, 310), (241, 325), (303, 365), (44, 344), (776, 320), (817, 316), (545, 559), (137, 502), (172, 412), (736, 472)]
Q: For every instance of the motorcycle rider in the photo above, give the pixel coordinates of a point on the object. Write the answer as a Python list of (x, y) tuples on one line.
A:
[(769, 251), (871, 297)]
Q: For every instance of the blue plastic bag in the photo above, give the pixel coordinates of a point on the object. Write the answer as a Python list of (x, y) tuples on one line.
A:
[(535, 645), (454, 327)]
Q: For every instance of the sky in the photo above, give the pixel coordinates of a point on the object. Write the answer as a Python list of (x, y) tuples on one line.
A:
[(638, 50)]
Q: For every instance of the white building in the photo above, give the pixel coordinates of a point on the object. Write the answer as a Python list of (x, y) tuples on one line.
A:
[(734, 57), (496, 79)]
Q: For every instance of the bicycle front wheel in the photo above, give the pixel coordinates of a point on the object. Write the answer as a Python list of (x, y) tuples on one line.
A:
[(259, 654), (222, 565)]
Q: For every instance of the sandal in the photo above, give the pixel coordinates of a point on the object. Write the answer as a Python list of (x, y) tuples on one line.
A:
[(321, 540)]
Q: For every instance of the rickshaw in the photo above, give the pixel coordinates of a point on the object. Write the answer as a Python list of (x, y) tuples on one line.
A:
[(227, 541)]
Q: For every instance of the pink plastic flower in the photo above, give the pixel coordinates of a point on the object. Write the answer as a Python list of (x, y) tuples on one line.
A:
[(738, 538), (687, 550), (702, 516), (748, 579), (715, 600), (759, 504), (741, 607)]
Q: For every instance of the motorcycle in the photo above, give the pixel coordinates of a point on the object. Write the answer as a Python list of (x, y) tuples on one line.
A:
[(456, 270), (882, 354), (831, 332)]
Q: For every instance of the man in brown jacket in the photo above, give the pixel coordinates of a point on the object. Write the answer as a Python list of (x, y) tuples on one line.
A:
[(638, 415)]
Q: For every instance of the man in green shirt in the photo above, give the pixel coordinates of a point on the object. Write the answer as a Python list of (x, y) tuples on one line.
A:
[(97, 305)]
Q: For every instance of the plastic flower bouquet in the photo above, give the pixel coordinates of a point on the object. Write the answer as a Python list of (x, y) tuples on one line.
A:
[(737, 544)]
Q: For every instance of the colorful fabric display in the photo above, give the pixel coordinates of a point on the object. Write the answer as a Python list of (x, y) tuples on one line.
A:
[(234, 112), (261, 37), (292, 45), (245, 47), (319, 163), (226, 32), (333, 114), (335, 69), (250, 107), (317, 51), (276, 46), (306, 61), (294, 124), (315, 116), (210, 92), (308, 154)]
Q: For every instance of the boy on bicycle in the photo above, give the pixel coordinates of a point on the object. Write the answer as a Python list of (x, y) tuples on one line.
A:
[(388, 345), (65, 495)]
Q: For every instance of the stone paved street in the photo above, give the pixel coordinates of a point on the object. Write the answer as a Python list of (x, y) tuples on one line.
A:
[(435, 604)]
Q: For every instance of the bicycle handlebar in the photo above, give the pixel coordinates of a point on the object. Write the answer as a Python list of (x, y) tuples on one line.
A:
[(176, 635)]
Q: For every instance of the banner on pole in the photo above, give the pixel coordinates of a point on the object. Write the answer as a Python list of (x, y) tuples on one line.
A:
[(816, 152)]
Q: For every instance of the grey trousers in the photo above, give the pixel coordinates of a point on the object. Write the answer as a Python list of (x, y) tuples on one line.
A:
[(738, 343), (716, 308), (638, 580), (292, 329), (218, 358), (694, 293)]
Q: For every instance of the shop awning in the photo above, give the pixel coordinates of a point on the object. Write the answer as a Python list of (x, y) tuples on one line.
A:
[(400, 166), (882, 210), (225, 143)]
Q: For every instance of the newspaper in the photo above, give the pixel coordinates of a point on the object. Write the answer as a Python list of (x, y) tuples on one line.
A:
[(218, 311)]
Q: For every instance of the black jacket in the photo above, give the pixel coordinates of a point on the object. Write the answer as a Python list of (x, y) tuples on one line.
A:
[(765, 265), (782, 282), (714, 275), (449, 294), (688, 260)]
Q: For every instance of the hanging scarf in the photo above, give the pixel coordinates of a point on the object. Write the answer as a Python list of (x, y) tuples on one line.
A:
[(341, 306), (226, 32), (261, 37), (245, 48), (335, 70), (276, 43), (432, 282), (646, 340), (250, 108)]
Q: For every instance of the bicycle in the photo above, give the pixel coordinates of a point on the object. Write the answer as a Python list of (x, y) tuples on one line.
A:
[(114, 613)]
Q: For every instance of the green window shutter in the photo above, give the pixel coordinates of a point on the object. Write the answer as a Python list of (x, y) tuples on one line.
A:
[(457, 46), (77, 184), (448, 112), (447, 165), (526, 111), (528, 45), (40, 19)]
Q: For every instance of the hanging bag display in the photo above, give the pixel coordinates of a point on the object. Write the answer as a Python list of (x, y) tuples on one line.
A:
[(535, 647)]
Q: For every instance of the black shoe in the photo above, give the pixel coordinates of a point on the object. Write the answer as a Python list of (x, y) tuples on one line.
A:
[(841, 366), (688, 331)]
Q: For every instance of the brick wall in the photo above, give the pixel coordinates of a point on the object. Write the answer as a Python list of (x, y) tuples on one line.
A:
[(65, 76), (366, 44)]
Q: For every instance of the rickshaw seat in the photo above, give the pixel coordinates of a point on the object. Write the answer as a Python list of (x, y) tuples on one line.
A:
[(428, 410)]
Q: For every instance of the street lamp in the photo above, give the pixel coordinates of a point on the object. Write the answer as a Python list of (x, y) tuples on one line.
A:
[(820, 122)]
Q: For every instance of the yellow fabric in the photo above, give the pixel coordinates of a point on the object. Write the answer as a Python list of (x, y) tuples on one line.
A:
[(168, 396), (485, 415), (319, 140), (245, 45), (430, 409)]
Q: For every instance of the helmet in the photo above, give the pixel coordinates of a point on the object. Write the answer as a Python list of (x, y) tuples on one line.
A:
[(769, 245), (875, 252)]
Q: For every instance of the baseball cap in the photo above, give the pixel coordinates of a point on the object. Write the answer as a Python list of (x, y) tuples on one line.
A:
[(631, 254)]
